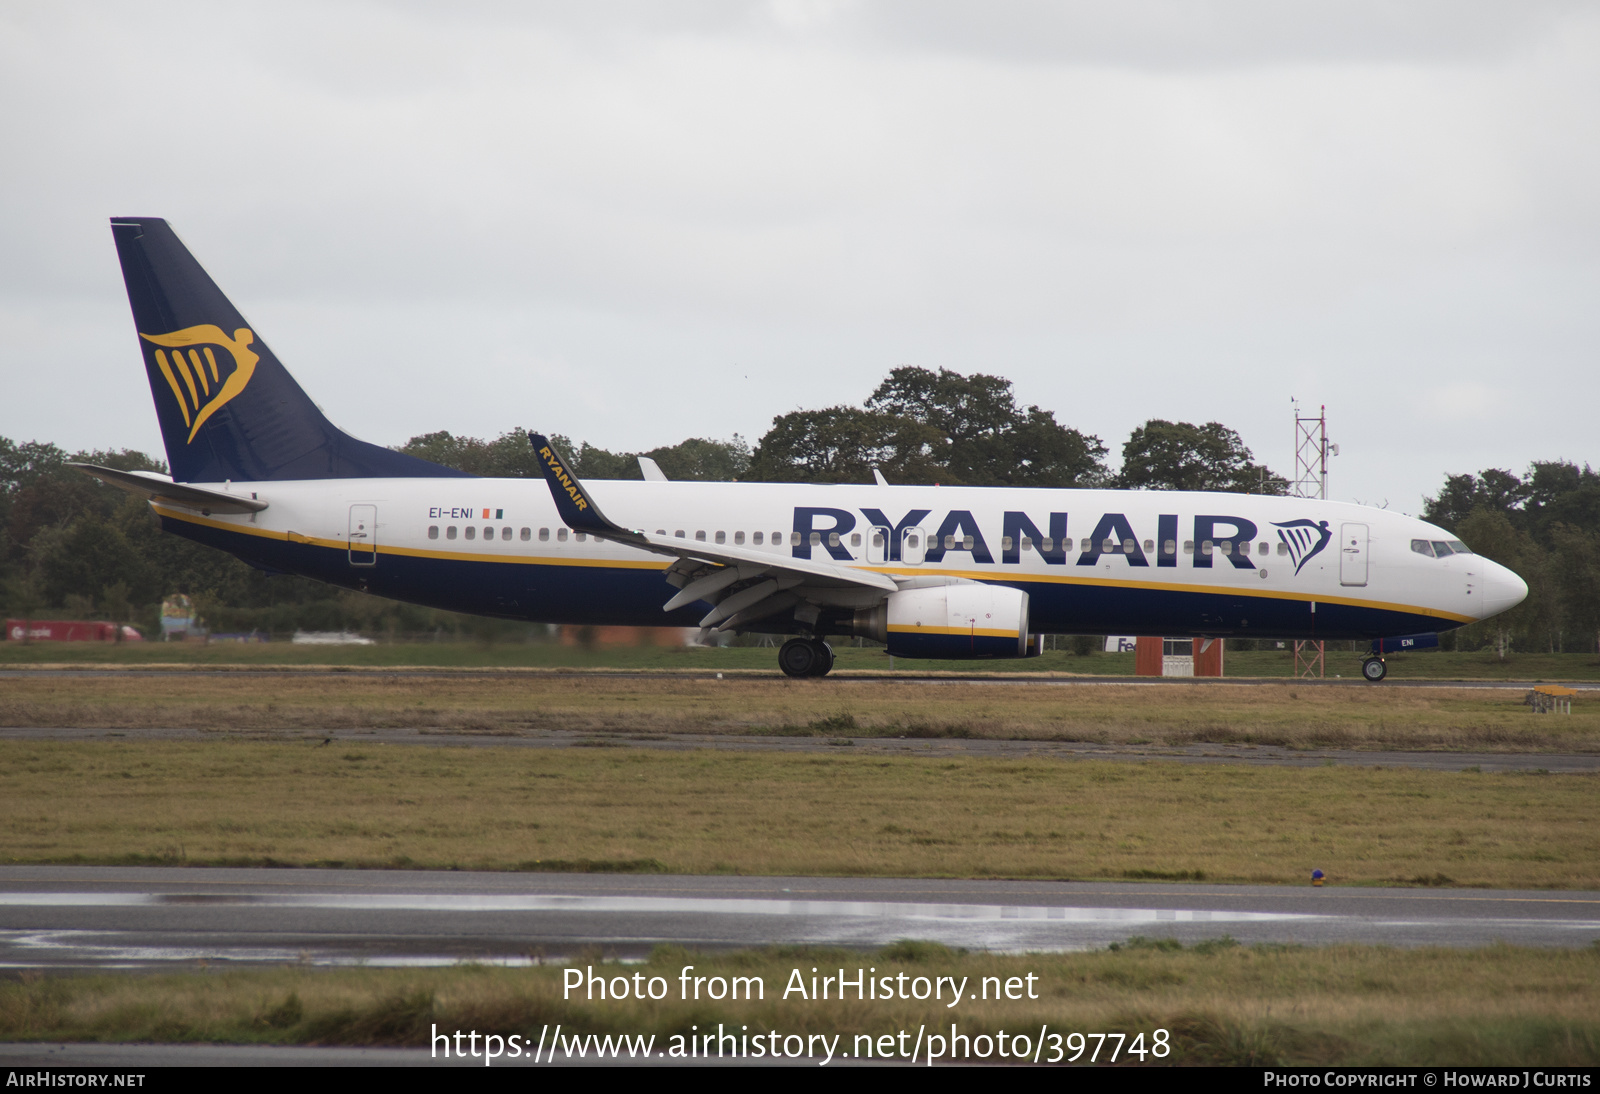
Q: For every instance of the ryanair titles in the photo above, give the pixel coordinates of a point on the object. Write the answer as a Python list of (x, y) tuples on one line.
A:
[(913, 537), (559, 472)]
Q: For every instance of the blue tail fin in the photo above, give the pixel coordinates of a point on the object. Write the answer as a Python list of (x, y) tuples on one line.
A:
[(228, 409)]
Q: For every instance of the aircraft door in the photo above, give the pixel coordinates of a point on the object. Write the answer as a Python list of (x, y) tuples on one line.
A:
[(878, 540), (1352, 554), (913, 546), (363, 535)]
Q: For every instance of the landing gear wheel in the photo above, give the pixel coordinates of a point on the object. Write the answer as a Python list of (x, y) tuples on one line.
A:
[(824, 663), (1374, 669), (805, 657), (799, 657)]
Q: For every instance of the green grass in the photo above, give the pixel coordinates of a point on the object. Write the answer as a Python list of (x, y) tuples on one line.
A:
[(1433, 664), (916, 814), (1219, 1002)]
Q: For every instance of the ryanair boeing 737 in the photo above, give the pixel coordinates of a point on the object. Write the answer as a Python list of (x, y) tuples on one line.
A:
[(934, 572)]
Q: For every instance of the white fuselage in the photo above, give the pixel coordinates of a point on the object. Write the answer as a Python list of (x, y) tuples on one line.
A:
[(1092, 561)]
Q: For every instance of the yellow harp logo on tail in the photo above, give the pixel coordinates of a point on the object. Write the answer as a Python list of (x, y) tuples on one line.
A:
[(198, 383)]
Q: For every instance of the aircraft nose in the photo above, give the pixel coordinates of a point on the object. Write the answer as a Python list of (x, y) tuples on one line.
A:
[(1502, 589)]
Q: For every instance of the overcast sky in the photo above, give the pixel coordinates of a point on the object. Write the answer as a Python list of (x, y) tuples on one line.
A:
[(633, 223)]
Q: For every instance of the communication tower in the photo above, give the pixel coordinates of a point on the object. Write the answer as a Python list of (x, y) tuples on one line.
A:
[(1311, 452)]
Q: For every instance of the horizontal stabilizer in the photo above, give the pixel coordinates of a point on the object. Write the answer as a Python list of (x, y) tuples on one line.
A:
[(154, 488)]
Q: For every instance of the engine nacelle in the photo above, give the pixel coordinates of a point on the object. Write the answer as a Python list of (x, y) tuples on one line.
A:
[(951, 622)]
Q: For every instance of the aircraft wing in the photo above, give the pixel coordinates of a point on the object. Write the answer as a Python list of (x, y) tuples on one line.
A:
[(153, 487), (744, 584)]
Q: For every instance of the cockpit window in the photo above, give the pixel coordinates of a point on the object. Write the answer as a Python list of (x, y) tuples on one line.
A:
[(1460, 548), (1422, 547), (1441, 549)]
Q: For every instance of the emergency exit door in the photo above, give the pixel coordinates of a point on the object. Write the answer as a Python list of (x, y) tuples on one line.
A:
[(1352, 554), (363, 535)]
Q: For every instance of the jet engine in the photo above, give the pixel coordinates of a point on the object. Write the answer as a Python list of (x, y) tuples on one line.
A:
[(950, 622)]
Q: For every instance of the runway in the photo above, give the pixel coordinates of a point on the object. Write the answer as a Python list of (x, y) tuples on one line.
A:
[(1550, 763), (117, 917), (1018, 678)]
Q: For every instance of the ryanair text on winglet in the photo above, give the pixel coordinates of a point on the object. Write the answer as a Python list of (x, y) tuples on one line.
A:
[(562, 477)]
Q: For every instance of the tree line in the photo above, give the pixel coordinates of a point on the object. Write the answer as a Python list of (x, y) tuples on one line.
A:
[(74, 547)]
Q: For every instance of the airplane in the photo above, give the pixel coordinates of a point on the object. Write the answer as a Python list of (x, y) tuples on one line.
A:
[(938, 572)]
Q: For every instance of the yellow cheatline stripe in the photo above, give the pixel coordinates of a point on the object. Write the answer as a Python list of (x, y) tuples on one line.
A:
[(410, 552), (976, 575), (172, 382), (1176, 587), (980, 632)]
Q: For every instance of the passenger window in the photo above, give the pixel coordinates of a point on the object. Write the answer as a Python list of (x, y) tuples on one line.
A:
[(1129, 546), (1283, 548), (472, 532), (777, 538), (1205, 547), (450, 532), (911, 541), (1422, 547), (700, 537), (488, 533), (433, 531), (527, 534), (967, 543), (855, 540), (1227, 546), (738, 538), (1149, 546), (581, 537), (949, 543), (661, 531), (794, 538), (833, 539), (505, 533), (544, 535), (1169, 547), (877, 539), (722, 537), (1045, 544), (1027, 544), (678, 534), (561, 535), (756, 539), (1263, 549), (1109, 547), (816, 539), (1005, 543), (1188, 546)]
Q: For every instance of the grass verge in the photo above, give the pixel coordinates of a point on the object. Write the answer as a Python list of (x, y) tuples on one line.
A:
[(932, 812), (1220, 1002), (1291, 715)]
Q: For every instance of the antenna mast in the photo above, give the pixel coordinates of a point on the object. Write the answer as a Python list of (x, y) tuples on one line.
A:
[(1310, 481)]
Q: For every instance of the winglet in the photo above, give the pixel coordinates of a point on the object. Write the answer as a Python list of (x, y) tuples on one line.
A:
[(571, 496)]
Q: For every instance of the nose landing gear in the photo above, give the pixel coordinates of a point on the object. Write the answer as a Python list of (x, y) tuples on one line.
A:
[(806, 657)]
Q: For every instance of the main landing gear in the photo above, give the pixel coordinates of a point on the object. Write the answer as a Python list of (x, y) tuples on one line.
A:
[(806, 657), (1374, 669)]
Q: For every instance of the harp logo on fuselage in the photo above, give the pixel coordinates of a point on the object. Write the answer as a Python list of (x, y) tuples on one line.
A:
[(199, 381)]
